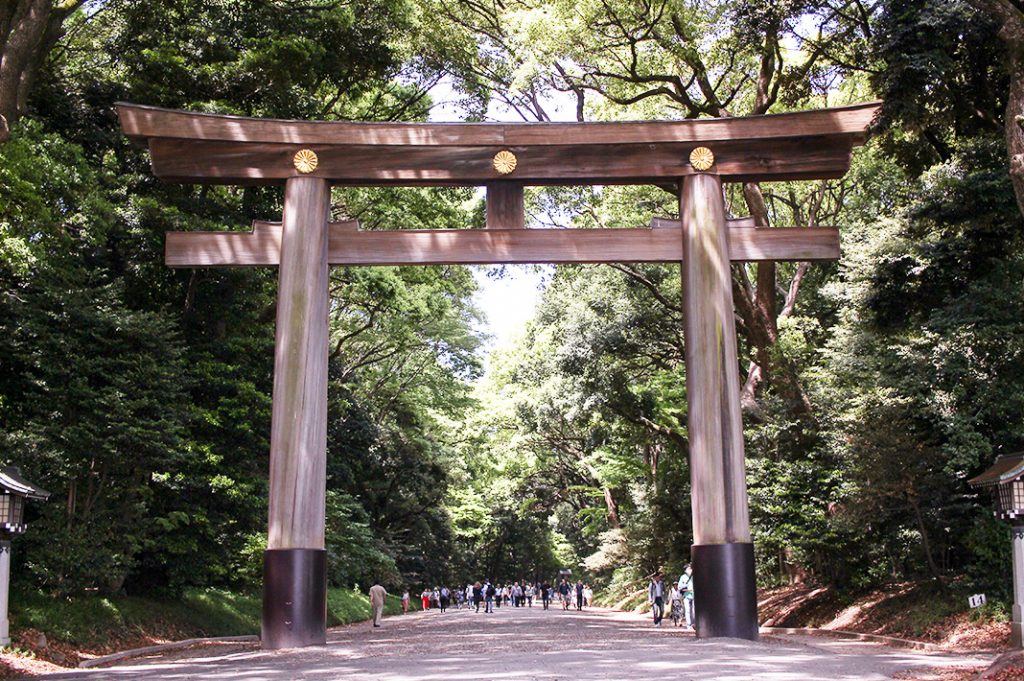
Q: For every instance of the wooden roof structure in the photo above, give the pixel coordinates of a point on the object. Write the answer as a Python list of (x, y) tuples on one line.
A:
[(206, 148), (1006, 468), (11, 482)]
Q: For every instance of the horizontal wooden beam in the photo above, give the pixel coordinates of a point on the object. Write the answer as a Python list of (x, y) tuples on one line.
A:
[(268, 163), (732, 223), (147, 122), (349, 246)]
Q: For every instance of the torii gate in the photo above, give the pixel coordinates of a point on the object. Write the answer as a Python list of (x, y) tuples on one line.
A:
[(692, 158)]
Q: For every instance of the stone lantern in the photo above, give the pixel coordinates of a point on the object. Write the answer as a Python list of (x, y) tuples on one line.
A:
[(1006, 480), (14, 490)]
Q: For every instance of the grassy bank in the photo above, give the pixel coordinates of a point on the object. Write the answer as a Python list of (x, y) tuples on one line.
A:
[(101, 624)]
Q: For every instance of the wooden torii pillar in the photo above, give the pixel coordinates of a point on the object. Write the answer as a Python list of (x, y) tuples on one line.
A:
[(691, 157)]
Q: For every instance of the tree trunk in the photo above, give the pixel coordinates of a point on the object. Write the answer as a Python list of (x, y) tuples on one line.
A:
[(29, 29), (925, 541), (1012, 34), (758, 306), (25, 30), (613, 508), (1015, 110)]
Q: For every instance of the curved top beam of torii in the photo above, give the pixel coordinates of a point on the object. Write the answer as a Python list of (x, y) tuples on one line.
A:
[(196, 147)]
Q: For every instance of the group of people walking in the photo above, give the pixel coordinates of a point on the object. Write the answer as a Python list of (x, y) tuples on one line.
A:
[(679, 598), (518, 595)]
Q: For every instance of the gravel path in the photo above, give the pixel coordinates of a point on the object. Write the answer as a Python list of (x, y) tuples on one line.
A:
[(523, 644)]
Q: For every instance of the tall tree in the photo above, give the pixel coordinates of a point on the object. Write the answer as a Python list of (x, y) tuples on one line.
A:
[(29, 30), (1010, 16), (682, 58)]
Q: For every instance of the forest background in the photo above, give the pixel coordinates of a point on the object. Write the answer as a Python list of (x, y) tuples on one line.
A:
[(872, 388)]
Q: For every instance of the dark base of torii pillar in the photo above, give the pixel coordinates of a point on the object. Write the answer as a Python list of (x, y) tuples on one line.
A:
[(725, 596), (294, 598), (725, 593)]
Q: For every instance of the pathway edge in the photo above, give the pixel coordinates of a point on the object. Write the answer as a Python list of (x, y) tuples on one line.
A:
[(163, 647), (876, 638)]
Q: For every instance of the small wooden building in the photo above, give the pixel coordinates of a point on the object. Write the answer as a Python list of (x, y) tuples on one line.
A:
[(14, 489), (1006, 480)]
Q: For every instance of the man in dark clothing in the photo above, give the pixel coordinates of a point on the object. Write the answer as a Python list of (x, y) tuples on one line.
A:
[(489, 597), (579, 595), (545, 594), (478, 595)]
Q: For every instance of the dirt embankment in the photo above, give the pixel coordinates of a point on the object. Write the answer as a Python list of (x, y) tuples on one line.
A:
[(33, 654), (916, 611)]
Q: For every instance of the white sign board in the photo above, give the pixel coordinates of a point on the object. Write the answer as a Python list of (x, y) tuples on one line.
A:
[(976, 600)]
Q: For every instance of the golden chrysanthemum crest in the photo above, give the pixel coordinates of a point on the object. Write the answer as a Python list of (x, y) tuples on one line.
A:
[(505, 162), (305, 160), (702, 158)]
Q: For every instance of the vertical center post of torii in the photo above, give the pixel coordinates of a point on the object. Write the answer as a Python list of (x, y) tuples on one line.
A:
[(725, 596), (295, 563)]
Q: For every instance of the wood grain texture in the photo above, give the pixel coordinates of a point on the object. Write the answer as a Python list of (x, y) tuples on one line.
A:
[(732, 223), (505, 209), (144, 122), (184, 160), (348, 246), (717, 467), (298, 431)]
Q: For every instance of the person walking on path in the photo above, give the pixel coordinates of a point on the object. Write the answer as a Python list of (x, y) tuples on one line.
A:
[(377, 596), (579, 594), (444, 595), (489, 597), (425, 597), (405, 601), (676, 599), (478, 595), (656, 597), (686, 590)]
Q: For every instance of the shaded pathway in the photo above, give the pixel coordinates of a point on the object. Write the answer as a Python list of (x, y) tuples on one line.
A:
[(533, 645)]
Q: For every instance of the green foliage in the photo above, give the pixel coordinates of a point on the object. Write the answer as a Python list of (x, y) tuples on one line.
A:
[(907, 358), (97, 620), (941, 77), (990, 570), (925, 365), (355, 556), (101, 418)]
